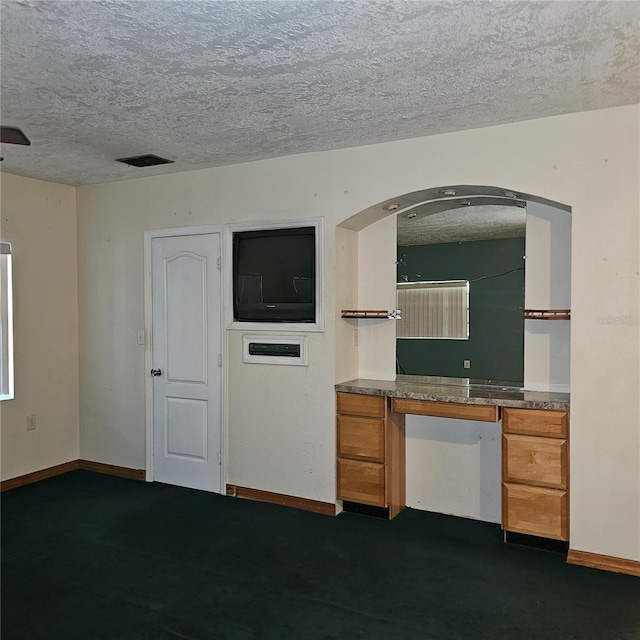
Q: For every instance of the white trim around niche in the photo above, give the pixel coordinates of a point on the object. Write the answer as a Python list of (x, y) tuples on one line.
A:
[(304, 327)]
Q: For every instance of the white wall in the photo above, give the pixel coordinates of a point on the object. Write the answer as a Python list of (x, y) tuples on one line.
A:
[(346, 278), (38, 218), (453, 466), (280, 434), (588, 161), (547, 350)]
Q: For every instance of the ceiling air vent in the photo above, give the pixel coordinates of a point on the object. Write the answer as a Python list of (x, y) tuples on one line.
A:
[(148, 160), (13, 135)]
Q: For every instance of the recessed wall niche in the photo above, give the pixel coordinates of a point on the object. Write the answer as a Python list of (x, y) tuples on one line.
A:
[(275, 282)]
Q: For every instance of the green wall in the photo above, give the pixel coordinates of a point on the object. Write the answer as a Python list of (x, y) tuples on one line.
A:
[(496, 325)]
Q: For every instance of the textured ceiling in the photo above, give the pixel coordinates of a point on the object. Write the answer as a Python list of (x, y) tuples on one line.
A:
[(209, 83)]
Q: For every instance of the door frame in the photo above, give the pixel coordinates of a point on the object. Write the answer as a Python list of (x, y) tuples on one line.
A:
[(149, 236)]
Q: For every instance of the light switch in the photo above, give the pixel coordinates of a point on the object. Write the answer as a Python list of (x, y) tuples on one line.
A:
[(141, 336)]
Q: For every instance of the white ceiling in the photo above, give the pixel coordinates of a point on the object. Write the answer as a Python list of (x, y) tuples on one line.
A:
[(209, 83)]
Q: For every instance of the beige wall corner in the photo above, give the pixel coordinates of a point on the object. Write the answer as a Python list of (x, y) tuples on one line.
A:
[(39, 219)]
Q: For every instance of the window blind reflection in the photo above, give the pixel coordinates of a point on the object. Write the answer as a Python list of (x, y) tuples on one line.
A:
[(433, 310)]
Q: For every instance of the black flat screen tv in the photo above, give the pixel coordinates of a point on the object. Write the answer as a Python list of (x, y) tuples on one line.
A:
[(274, 275)]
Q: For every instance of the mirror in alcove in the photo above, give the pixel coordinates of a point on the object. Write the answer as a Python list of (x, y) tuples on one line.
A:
[(460, 289)]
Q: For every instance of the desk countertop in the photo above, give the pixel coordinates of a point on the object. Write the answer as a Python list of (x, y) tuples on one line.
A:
[(450, 390)]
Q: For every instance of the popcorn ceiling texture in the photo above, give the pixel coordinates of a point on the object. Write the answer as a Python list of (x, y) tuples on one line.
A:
[(210, 83), (478, 222)]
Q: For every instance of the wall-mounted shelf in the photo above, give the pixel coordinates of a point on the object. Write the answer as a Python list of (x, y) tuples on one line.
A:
[(547, 314), (384, 314)]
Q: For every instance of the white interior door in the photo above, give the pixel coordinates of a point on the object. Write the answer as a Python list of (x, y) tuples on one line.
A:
[(186, 300)]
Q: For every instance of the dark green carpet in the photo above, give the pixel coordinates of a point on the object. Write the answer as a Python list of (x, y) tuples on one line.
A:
[(89, 556)]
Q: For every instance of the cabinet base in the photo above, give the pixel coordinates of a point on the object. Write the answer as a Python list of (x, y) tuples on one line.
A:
[(547, 544), (365, 509)]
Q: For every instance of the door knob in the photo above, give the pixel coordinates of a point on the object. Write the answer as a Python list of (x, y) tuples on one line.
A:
[(156, 372)]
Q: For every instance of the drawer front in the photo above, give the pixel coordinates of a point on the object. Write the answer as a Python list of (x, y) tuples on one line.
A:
[(359, 405), (361, 482), (535, 511), (446, 409), (533, 460), (535, 422), (361, 438)]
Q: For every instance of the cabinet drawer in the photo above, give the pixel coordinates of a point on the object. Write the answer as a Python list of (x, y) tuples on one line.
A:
[(360, 405), (535, 511), (536, 422), (533, 460), (446, 409), (361, 438), (361, 482)]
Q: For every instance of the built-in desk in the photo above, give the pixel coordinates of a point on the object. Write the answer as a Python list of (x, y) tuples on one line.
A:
[(535, 440), (456, 390)]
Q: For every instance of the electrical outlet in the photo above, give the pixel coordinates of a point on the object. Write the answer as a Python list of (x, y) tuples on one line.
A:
[(355, 337), (31, 422), (466, 364)]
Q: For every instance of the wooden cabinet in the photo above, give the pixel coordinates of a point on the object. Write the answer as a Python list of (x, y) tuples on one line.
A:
[(371, 454), (535, 472), (535, 457)]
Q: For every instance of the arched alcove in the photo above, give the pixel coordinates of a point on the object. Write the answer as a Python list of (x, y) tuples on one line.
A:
[(366, 277)]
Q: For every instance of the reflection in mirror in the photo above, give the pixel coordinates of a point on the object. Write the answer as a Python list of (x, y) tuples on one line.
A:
[(438, 310), (478, 243)]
